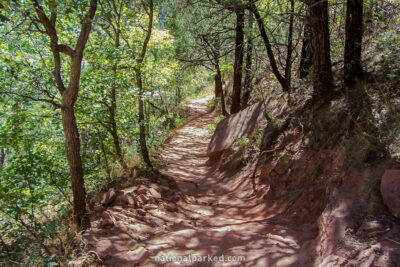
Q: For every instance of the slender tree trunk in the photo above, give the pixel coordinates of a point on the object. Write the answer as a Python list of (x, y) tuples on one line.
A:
[(238, 65), (69, 96), (103, 149), (139, 82), (352, 49), (268, 47), (142, 129), (219, 90), (322, 69), (72, 148), (2, 157), (112, 111), (288, 66), (306, 52), (249, 55)]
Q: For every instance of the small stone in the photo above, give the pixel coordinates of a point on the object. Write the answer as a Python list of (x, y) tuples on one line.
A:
[(117, 208), (141, 212), (171, 207), (141, 190), (119, 200), (154, 193), (150, 207), (107, 219), (129, 200), (109, 197), (144, 199), (125, 184)]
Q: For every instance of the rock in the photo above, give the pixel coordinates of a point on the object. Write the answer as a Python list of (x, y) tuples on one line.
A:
[(109, 197), (97, 207), (232, 127), (129, 200), (154, 193), (171, 207), (150, 207), (390, 190), (141, 212), (107, 219), (92, 203), (142, 190), (125, 184), (117, 208), (119, 200), (143, 198)]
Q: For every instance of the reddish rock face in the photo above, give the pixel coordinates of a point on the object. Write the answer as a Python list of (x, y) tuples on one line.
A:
[(233, 127), (108, 197), (390, 190)]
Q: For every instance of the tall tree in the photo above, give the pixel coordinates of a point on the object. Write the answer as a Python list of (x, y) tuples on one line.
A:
[(139, 83), (113, 19), (352, 48), (238, 65), (320, 43), (69, 96), (288, 67), (249, 57)]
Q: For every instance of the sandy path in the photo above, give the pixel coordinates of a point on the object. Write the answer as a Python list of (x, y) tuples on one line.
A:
[(217, 215)]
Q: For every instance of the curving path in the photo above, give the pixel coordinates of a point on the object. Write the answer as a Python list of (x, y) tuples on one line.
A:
[(216, 215)]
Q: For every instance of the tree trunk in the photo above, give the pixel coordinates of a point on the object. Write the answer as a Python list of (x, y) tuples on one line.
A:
[(352, 50), (112, 110), (69, 96), (219, 90), (322, 69), (139, 82), (238, 65), (306, 53), (2, 157), (288, 66), (142, 129), (249, 55), (72, 148)]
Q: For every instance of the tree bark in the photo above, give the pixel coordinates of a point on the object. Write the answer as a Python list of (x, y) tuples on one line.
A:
[(322, 69), (238, 65), (113, 108), (72, 149), (2, 157), (69, 96), (306, 52), (139, 82), (288, 66), (219, 90), (352, 50), (249, 55)]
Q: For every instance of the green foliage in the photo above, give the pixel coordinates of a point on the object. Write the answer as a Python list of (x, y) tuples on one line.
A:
[(211, 127), (242, 142)]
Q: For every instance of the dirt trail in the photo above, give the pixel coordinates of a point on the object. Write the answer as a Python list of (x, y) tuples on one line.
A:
[(217, 215)]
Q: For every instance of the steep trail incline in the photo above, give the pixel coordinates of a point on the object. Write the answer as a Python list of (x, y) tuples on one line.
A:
[(217, 214)]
